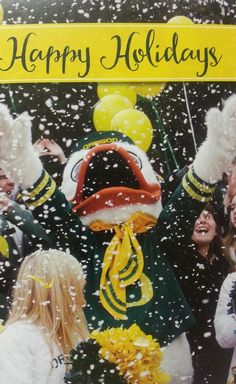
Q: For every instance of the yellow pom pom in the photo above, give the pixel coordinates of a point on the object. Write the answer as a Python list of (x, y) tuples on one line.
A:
[(137, 356)]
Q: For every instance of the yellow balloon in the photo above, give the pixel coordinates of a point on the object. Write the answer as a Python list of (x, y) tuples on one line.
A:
[(180, 20), (136, 125), (123, 89), (107, 108), (148, 89)]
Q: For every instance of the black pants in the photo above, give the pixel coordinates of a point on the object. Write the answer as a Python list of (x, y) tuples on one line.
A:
[(211, 364)]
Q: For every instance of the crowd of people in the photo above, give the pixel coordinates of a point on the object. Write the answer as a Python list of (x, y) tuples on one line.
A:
[(51, 283)]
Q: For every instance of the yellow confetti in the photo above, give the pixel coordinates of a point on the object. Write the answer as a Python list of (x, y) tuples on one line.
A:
[(40, 281)]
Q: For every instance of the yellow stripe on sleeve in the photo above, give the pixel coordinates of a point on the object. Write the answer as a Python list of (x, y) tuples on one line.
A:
[(201, 187), (194, 194), (43, 198)]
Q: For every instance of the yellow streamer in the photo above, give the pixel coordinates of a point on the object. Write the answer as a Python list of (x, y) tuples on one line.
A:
[(40, 281)]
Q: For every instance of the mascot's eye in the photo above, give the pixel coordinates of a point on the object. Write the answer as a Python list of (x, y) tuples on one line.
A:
[(137, 159), (75, 170)]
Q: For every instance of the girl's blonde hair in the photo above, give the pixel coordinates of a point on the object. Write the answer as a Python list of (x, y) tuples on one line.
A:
[(49, 291)]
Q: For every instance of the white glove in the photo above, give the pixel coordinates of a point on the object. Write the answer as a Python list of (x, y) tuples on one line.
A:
[(219, 149), (17, 156)]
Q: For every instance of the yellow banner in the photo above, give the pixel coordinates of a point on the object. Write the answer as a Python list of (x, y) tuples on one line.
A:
[(117, 52)]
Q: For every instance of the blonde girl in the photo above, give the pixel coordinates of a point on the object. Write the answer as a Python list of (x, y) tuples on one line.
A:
[(46, 319)]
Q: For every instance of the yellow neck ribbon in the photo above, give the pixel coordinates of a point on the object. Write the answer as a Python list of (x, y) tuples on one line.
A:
[(123, 264)]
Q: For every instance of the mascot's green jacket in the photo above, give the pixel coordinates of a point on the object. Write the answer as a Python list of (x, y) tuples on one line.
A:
[(128, 253)]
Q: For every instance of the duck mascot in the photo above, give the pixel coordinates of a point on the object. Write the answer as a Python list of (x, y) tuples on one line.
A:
[(108, 213)]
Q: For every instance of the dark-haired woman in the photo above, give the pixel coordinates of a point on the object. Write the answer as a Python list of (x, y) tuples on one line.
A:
[(201, 268)]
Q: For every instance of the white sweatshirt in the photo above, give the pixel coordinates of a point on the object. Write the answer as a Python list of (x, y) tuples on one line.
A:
[(25, 357), (225, 321)]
